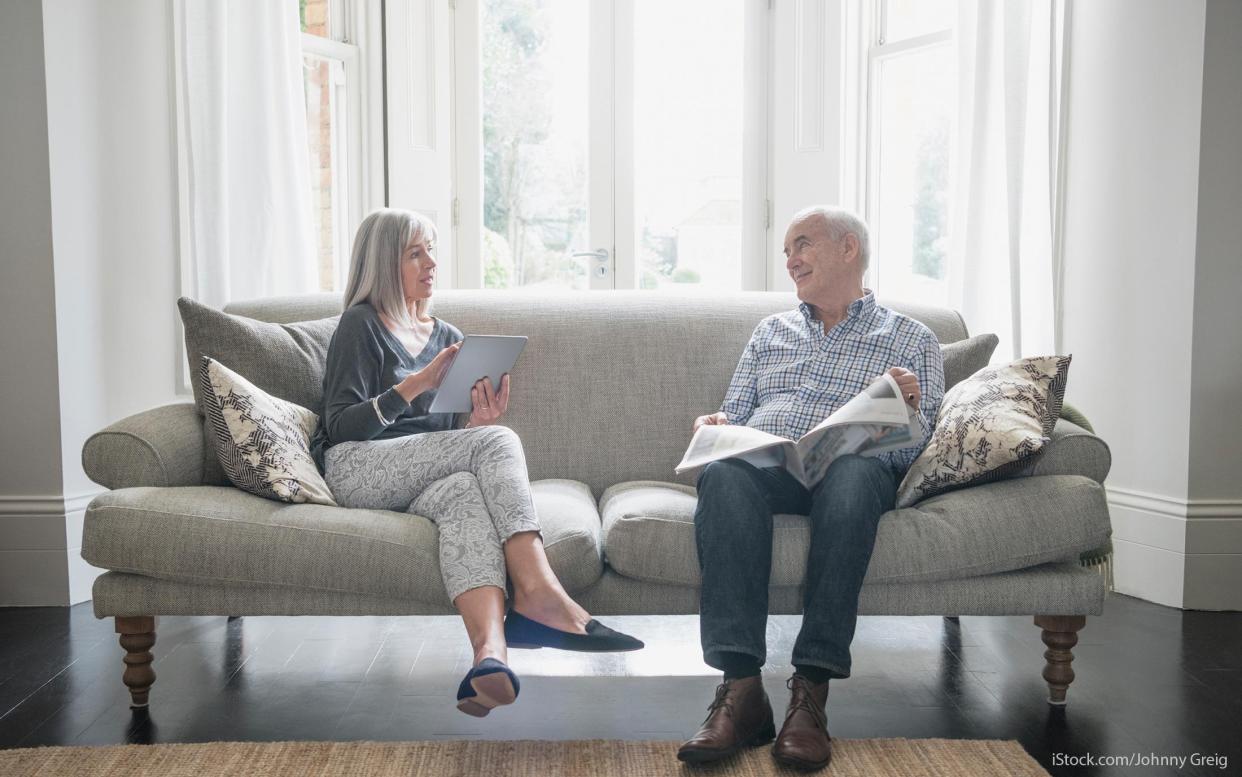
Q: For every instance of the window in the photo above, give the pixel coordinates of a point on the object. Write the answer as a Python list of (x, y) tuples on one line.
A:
[(334, 135), (535, 94), (611, 143), (688, 143), (911, 95)]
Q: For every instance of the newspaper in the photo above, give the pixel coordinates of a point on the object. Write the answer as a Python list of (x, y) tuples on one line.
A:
[(874, 421)]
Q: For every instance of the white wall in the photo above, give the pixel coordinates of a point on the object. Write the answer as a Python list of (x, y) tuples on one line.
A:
[(32, 529), (114, 178), (1149, 222), (108, 174), (1214, 530), (113, 219)]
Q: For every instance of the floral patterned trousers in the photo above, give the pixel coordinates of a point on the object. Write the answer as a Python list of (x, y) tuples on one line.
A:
[(471, 482)]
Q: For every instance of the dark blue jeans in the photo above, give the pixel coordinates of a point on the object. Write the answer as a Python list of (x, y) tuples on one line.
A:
[(733, 531)]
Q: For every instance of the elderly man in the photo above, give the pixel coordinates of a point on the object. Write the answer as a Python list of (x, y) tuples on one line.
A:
[(798, 368)]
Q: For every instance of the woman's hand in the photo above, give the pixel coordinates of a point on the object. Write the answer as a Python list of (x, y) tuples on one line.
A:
[(428, 377), (489, 405)]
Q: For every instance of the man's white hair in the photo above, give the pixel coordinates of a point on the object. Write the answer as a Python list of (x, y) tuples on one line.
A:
[(841, 222)]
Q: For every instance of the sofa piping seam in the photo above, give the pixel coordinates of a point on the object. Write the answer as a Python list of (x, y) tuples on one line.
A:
[(244, 523), (571, 535), (225, 582), (890, 579), (159, 460)]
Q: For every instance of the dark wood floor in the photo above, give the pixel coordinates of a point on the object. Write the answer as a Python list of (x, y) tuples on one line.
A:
[(1151, 680)]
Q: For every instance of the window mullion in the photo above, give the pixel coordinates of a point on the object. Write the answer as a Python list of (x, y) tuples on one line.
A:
[(601, 155), (467, 215), (886, 158), (625, 241), (756, 182)]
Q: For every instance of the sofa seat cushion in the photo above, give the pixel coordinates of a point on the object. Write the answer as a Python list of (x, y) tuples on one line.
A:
[(995, 527), (222, 535)]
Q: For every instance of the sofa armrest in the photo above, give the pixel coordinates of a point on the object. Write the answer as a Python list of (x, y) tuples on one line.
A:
[(1072, 451), (158, 447)]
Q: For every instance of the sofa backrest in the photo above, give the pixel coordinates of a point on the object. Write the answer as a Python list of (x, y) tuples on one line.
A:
[(610, 382)]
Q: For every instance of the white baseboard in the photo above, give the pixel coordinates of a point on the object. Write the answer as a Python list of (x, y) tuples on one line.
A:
[(40, 550), (45, 504), (1147, 572), (1183, 553), (34, 578)]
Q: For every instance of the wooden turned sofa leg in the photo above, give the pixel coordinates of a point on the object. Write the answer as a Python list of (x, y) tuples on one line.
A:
[(1060, 634), (137, 637)]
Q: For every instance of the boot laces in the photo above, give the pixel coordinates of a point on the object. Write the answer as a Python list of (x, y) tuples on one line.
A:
[(803, 699), (722, 700)]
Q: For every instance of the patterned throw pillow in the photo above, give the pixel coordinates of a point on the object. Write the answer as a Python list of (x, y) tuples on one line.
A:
[(988, 425), (285, 360), (263, 442)]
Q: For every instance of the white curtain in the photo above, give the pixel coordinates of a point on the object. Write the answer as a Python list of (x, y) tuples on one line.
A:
[(242, 136), (1004, 267)]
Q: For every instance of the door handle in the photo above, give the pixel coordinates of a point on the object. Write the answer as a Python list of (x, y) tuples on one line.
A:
[(601, 254), (601, 258)]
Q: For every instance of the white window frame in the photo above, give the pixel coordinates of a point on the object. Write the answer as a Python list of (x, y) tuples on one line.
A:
[(611, 144), (356, 104), (866, 32)]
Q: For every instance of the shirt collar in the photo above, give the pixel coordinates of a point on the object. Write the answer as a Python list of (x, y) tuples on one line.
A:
[(861, 307)]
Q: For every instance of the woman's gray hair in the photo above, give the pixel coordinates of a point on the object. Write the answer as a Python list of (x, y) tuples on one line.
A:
[(375, 262), (841, 222)]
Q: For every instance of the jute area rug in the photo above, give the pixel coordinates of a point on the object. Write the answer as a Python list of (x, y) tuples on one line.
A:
[(473, 758)]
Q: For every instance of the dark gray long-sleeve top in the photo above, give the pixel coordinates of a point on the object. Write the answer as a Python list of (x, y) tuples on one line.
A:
[(367, 361)]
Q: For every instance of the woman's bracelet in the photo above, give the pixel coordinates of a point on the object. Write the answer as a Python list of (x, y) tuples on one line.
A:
[(378, 414)]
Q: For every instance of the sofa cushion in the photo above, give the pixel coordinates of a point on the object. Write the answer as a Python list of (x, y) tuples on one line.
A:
[(285, 360), (222, 535), (987, 425), (966, 357), (1013, 524), (262, 441)]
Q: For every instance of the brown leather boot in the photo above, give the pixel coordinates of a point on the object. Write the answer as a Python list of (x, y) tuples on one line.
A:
[(804, 741), (740, 716)]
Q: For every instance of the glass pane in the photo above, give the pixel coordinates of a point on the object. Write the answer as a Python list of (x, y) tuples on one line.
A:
[(316, 17), (911, 18), (317, 75), (916, 95), (688, 142), (534, 56)]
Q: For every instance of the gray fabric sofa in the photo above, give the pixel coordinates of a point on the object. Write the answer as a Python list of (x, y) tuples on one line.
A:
[(603, 399)]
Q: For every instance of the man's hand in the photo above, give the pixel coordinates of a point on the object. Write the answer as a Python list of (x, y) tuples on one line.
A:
[(908, 382), (714, 419)]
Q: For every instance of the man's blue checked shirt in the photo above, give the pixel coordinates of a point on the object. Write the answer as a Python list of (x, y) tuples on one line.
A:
[(793, 375)]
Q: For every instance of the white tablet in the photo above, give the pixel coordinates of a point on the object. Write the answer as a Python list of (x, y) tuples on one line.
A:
[(480, 356)]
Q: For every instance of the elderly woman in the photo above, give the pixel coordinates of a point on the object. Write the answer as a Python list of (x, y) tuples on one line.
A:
[(379, 447)]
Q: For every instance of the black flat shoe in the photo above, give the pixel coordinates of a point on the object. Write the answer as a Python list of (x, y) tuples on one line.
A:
[(487, 686), (522, 632)]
